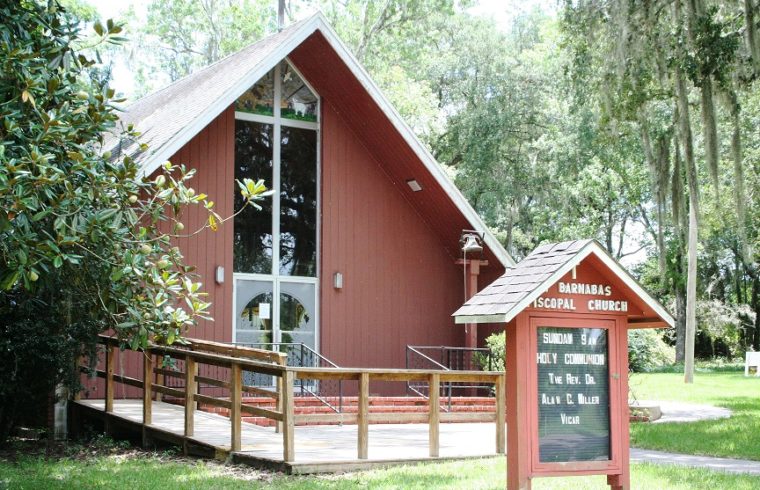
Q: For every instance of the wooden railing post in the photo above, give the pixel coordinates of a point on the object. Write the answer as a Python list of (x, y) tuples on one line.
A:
[(191, 371), (363, 422), (110, 363), (288, 415), (280, 400), (147, 387), (159, 377), (434, 387), (236, 382), (501, 423)]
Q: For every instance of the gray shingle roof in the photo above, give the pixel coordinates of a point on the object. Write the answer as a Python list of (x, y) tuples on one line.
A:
[(517, 283), (507, 296), (163, 114)]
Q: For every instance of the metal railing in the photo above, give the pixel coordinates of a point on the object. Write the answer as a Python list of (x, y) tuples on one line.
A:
[(329, 393), (449, 358)]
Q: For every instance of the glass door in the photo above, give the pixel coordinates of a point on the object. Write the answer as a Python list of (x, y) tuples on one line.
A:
[(255, 324), (284, 321)]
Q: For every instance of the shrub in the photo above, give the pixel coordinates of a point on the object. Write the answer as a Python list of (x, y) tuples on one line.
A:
[(497, 345), (647, 350), (86, 242)]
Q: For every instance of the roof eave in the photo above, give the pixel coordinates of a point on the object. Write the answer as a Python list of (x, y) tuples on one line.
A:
[(419, 149), (498, 318)]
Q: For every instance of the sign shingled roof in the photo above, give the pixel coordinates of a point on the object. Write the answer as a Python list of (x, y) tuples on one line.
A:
[(508, 295)]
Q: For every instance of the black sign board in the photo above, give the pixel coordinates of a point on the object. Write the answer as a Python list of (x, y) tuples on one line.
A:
[(573, 395)]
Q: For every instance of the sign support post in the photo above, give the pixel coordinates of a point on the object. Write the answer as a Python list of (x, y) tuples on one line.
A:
[(518, 406)]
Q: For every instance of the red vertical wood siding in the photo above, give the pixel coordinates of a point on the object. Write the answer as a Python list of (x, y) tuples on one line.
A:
[(334, 81), (400, 284), (212, 153), (395, 248)]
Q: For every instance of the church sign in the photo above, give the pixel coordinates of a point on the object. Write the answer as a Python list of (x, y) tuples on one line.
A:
[(573, 394), (567, 309)]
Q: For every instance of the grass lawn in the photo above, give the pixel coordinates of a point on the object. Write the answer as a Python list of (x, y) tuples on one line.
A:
[(137, 471), (735, 437), (103, 464)]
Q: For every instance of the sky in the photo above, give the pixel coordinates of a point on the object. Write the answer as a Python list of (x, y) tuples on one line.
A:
[(501, 11)]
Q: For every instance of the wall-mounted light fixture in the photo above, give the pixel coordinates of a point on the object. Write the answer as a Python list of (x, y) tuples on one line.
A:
[(338, 280), (414, 185), (219, 275)]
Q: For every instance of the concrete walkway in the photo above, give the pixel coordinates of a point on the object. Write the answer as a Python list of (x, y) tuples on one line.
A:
[(680, 412), (718, 464), (686, 412)]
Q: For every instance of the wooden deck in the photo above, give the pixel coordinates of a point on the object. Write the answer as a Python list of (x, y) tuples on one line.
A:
[(318, 449)]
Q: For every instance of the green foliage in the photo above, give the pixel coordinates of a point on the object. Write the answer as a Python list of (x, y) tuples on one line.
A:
[(647, 350), (721, 322), (86, 242), (713, 365), (497, 345), (624, 63), (180, 36)]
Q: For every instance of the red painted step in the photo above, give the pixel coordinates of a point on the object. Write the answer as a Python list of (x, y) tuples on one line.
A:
[(350, 405)]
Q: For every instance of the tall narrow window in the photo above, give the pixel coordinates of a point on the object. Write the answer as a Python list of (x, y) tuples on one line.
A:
[(298, 202), (276, 248), (252, 242)]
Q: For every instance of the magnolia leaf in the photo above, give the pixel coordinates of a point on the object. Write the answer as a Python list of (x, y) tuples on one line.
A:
[(8, 279)]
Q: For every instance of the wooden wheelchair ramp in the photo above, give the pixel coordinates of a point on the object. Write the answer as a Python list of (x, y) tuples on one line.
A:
[(318, 449), (299, 443)]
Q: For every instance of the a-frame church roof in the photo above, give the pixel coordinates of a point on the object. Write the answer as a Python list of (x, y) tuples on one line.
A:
[(168, 118)]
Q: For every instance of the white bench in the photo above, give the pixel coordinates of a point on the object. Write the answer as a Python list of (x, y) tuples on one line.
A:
[(752, 359)]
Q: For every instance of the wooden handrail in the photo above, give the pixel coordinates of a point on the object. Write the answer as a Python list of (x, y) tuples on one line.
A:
[(220, 360), (236, 358), (238, 351), (380, 374)]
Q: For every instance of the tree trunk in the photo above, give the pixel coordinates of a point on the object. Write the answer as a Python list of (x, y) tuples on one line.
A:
[(679, 225), (749, 29), (658, 170), (755, 338), (691, 282), (710, 133), (662, 175), (739, 198), (691, 179), (680, 294)]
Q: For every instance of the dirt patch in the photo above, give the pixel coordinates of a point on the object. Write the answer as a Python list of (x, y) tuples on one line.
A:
[(100, 447)]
